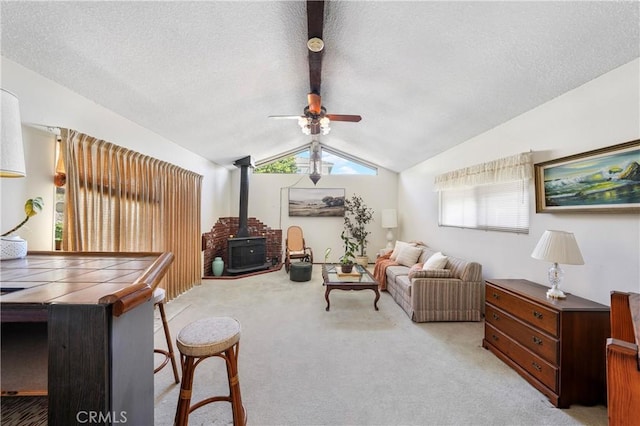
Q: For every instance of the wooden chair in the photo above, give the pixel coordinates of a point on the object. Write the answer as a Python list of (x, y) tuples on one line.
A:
[(296, 247), (623, 360)]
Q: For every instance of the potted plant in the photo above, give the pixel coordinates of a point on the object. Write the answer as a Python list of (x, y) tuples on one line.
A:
[(350, 247), (14, 247), (356, 218), (58, 236)]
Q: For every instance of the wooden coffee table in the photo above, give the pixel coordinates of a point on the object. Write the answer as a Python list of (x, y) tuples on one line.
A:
[(361, 279)]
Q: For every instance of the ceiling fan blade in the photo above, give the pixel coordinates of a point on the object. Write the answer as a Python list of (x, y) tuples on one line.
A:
[(344, 117), (286, 117), (315, 22), (315, 103)]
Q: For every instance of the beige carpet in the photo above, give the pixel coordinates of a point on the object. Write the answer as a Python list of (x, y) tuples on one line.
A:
[(300, 365), (23, 410)]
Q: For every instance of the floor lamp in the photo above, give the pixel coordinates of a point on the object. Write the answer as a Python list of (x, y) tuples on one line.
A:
[(389, 221)]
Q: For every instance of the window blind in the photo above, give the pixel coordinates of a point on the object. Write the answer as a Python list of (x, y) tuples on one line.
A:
[(490, 196)]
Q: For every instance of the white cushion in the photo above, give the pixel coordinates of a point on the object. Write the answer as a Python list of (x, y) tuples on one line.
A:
[(408, 255), (208, 336), (398, 247), (437, 261)]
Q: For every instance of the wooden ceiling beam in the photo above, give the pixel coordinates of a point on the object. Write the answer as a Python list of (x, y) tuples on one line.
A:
[(315, 23)]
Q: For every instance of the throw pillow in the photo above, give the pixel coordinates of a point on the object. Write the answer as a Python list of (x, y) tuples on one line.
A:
[(408, 255), (437, 261), (416, 267), (398, 247)]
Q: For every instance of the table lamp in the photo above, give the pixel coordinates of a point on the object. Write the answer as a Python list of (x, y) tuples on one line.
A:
[(558, 247), (389, 221), (12, 152), (11, 164)]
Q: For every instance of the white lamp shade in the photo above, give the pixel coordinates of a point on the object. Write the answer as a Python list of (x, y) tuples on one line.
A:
[(11, 153), (558, 247), (389, 218)]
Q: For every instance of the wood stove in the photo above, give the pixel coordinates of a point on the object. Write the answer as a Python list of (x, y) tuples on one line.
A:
[(247, 254)]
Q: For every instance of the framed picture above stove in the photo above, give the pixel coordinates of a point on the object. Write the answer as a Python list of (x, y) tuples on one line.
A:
[(316, 202)]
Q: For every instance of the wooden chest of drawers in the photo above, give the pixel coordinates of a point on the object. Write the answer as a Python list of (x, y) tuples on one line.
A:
[(556, 345)]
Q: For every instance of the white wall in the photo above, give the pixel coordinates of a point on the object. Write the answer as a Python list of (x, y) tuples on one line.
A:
[(47, 103), (269, 197), (601, 113)]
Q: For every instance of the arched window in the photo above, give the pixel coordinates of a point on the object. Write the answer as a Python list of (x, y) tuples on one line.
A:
[(334, 162)]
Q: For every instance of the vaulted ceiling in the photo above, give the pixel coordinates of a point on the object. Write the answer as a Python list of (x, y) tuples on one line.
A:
[(424, 76)]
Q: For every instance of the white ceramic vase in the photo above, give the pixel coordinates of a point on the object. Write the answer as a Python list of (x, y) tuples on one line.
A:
[(12, 248)]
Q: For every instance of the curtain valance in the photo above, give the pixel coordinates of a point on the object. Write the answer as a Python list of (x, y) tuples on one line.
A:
[(507, 169)]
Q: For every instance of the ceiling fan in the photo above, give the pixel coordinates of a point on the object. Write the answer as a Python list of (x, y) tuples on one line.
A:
[(315, 119)]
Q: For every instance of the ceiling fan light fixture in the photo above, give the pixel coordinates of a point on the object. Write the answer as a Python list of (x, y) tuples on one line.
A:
[(315, 161), (305, 125), (325, 125)]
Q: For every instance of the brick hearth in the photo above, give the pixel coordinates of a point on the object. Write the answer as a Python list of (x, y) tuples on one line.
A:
[(214, 242)]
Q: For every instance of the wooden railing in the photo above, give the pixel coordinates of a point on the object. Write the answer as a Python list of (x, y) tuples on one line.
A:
[(623, 359)]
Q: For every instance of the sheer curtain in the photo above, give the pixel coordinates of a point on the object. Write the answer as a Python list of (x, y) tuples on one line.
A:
[(118, 200)]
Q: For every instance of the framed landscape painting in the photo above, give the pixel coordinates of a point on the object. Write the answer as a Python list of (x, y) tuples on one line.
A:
[(316, 202), (603, 180)]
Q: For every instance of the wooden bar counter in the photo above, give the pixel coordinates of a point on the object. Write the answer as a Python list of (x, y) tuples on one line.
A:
[(98, 314)]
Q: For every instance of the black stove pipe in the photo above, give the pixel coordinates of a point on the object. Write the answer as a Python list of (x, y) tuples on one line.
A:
[(244, 164)]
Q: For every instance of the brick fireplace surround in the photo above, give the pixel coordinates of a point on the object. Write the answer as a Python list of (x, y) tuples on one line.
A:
[(214, 242)]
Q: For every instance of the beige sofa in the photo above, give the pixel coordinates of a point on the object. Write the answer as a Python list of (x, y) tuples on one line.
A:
[(454, 292)]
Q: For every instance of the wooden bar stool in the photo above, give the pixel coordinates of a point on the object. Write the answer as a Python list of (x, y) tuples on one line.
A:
[(158, 300), (202, 339)]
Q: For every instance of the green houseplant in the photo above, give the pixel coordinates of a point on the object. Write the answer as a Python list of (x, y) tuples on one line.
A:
[(350, 247), (14, 247), (58, 236), (356, 218)]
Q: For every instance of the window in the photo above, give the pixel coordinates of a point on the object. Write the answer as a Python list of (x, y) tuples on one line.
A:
[(333, 163), (60, 178), (496, 207), (490, 196)]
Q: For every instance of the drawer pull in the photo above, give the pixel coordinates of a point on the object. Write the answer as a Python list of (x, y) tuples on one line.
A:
[(494, 337), (536, 366), (537, 314), (537, 340), (495, 296), (496, 317)]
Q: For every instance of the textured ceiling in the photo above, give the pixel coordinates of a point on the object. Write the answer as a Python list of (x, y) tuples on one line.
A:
[(424, 76)]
